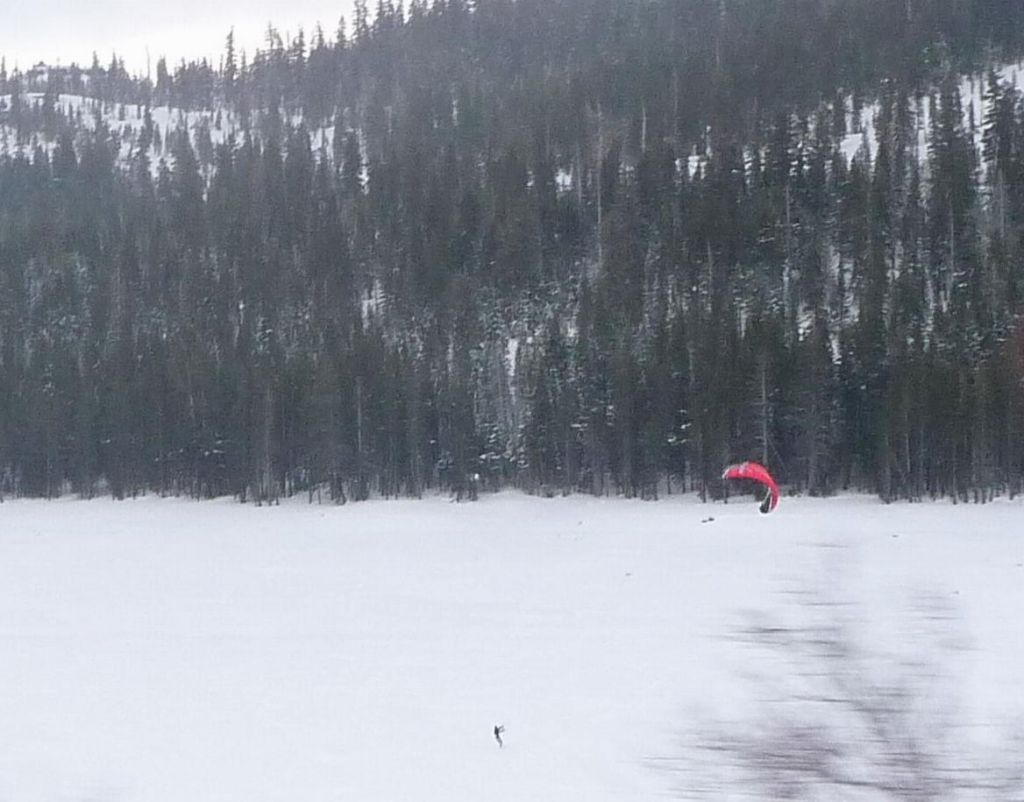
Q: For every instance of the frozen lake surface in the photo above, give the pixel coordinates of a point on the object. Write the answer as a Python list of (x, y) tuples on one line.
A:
[(162, 649)]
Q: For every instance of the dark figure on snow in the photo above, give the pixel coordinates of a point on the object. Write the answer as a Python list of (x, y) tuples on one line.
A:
[(498, 730)]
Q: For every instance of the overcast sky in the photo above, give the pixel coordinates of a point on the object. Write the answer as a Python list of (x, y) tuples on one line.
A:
[(63, 31)]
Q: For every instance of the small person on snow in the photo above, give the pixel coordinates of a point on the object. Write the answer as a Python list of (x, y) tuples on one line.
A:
[(498, 730)]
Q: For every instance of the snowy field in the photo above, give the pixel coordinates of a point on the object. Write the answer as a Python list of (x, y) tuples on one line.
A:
[(160, 650)]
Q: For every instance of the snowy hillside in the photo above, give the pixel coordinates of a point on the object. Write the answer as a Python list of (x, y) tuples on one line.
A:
[(165, 650), (126, 121), (972, 93)]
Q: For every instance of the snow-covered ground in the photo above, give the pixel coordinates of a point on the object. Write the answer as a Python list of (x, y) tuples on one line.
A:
[(160, 650)]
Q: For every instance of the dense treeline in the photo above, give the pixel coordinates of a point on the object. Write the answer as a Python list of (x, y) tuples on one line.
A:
[(597, 245)]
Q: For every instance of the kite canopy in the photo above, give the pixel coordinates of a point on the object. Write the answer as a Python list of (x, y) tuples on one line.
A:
[(758, 473)]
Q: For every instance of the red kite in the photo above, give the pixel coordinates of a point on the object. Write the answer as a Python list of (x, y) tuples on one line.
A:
[(758, 473)]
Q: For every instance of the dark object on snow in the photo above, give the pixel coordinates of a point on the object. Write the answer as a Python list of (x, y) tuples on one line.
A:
[(498, 730)]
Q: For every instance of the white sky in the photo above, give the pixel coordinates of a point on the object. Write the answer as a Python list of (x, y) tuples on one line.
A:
[(63, 31)]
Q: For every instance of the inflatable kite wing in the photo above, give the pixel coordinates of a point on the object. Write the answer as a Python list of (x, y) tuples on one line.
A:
[(757, 472)]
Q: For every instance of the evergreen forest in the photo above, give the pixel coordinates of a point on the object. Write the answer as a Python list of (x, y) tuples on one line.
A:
[(598, 246)]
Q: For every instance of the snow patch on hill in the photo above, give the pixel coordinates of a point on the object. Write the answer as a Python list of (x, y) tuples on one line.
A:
[(126, 122), (862, 138)]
